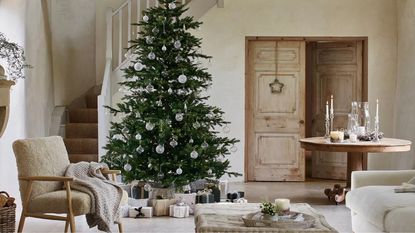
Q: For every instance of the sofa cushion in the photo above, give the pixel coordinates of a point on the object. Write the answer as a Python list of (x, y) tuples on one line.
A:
[(375, 202), (400, 220), (412, 181)]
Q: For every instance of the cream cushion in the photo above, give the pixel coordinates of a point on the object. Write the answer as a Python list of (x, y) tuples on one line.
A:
[(375, 203), (56, 202)]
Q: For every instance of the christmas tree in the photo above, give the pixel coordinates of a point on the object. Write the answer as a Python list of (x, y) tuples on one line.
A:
[(166, 132)]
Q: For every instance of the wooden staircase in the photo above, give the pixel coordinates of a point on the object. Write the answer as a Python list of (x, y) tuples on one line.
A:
[(81, 131)]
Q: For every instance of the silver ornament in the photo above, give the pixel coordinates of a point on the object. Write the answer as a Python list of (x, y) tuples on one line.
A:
[(149, 39), (155, 30), (150, 88), (164, 48), (234, 149), (127, 167), (177, 44), (160, 175), (125, 130), (149, 165), (145, 18), (172, 6), (170, 91), (209, 172), (196, 125), (151, 56), (179, 116), (138, 66), (191, 141), (173, 143), (159, 103), (194, 154), (149, 126), (138, 136), (179, 171), (160, 149), (209, 115), (205, 145), (182, 78), (226, 129), (147, 187), (140, 149)]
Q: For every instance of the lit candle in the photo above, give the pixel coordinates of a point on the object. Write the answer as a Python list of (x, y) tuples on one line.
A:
[(327, 109), (331, 107), (377, 111), (283, 204)]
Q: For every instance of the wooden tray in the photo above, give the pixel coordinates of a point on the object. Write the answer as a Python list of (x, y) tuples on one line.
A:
[(287, 222)]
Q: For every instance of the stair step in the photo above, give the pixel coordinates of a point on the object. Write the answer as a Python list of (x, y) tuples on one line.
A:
[(83, 115), (81, 145), (81, 130), (91, 101), (74, 158)]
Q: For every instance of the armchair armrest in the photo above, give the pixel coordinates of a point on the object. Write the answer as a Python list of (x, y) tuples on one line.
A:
[(366, 178), (46, 178), (107, 171)]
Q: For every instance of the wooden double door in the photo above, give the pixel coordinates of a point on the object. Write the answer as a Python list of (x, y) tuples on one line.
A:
[(276, 104)]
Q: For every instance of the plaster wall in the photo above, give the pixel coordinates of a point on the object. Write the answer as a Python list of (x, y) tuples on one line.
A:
[(224, 31), (404, 102)]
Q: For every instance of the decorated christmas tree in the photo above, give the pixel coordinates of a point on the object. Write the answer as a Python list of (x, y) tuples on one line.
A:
[(166, 133)]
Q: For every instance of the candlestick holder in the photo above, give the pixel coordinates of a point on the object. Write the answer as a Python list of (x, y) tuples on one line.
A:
[(331, 121), (327, 125), (376, 132)]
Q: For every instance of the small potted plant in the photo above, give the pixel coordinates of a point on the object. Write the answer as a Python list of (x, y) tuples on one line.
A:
[(270, 211)]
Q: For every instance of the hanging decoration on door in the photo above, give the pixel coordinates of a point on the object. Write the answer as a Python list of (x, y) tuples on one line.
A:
[(276, 86)]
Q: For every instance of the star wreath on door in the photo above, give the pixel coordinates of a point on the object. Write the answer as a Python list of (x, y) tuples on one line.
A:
[(276, 86)]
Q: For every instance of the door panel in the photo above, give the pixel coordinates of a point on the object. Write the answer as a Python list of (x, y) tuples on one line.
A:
[(337, 71), (275, 89)]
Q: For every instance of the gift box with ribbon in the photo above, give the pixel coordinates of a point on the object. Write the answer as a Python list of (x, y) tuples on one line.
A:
[(138, 192), (235, 195), (161, 207), (179, 210), (141, 212), (204, 197), (188, 199)]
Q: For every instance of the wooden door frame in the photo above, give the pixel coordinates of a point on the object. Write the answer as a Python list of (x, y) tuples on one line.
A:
[(248, 109)]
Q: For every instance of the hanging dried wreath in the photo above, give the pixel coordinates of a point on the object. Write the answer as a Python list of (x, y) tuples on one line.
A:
[(14, 55)]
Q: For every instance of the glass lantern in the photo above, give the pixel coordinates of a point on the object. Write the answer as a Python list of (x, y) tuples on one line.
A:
[(360, 111)]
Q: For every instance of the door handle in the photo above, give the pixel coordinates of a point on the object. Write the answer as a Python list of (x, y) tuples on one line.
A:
[(301, 122)]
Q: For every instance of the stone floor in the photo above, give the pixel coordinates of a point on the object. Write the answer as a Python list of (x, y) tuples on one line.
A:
[(310, 192)]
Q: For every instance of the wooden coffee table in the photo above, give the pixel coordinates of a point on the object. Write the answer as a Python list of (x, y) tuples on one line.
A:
[(356, 152)]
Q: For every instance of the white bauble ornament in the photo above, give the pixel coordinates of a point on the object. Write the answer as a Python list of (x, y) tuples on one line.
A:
[(226, 129), (205, 145), (150, 88), (149, 126), (196, 125), (173, 143), (125, 130), (127, 167), (164, 48), (170, 91), (234, 149), (138, 136), (179, 116), (209, 115), (145, 18), (172, 6), (140, 149), (191, 141), (160, 149), (160, 175), (177, 44), (182, 78), (179, 171), (209, 172), (155, 30), (138, 66), (194, 154), (151, 56), (149, 39), (147, 187)]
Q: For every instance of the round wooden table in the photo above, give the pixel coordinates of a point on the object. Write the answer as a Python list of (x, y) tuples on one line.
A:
[(356, 152)]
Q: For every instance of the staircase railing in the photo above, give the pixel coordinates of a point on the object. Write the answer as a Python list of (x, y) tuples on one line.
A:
[(119, 33)]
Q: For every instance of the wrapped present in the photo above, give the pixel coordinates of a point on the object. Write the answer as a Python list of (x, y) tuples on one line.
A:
[(179, 210), (161, 207), (233, 196), (188, 199), (140, 212), (125, 211), (214, 189), (138, 192), (138, 202), (223, 187), (204, 197)]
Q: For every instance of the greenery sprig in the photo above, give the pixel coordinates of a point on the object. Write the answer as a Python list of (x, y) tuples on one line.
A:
[(14, 54)]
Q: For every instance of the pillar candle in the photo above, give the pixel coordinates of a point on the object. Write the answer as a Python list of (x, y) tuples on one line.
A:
[(332, 106), (377, 111), (284, 204), (327, 109)]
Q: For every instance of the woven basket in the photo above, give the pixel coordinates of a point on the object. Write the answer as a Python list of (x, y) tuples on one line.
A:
[(7, 217)]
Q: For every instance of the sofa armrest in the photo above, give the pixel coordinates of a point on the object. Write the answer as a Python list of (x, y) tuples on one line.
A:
[(366, 178)]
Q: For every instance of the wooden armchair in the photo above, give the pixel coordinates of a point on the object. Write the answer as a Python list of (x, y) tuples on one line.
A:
[(41, 165)]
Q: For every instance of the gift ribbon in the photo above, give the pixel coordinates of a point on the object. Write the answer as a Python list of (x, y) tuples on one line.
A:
[(140, 214)]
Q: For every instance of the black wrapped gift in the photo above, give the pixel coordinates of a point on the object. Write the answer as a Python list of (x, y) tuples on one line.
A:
[(205, 197), (138, 192), (233, 196)]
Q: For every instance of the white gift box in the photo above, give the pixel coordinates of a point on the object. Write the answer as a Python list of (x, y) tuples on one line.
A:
[(138, 202), (179, 211), (147, 211), (188, 199), (223, 187)]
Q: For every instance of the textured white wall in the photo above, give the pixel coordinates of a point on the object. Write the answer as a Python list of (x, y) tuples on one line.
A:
[(224, 32), (405, 96)]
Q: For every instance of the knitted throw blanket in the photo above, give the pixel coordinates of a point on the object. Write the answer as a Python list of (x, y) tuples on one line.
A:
[(105, 195)]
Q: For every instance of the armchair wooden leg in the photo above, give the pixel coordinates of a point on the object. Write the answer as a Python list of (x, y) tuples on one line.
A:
[(21, 222), (120, 228), (70, 216), (66, 226)]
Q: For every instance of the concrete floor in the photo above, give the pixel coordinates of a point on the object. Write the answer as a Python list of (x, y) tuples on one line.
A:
[(309, 192)]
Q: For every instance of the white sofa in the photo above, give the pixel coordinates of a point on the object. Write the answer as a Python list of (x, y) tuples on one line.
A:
[(374, 205)]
